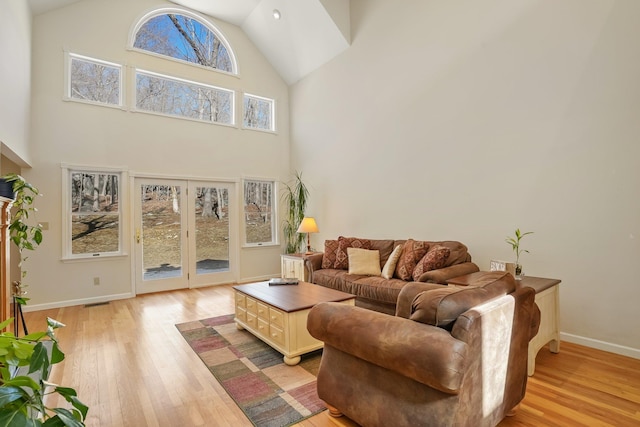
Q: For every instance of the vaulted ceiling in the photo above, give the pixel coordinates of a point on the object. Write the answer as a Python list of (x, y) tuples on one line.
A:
[(308, 34)]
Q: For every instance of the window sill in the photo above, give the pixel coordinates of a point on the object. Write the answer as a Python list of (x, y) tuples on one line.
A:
[(97, 257)]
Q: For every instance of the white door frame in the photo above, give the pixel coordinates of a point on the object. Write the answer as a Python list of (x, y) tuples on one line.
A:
[(229, 276)]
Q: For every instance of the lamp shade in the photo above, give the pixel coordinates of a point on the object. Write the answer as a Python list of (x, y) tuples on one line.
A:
[(308, 225)]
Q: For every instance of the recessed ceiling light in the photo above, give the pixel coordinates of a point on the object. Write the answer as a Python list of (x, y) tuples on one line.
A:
[(276, 14)]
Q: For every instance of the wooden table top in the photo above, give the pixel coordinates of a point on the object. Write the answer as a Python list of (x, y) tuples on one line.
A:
[(537, 283), (290, 298)]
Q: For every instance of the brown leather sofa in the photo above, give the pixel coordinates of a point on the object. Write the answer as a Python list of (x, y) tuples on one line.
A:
[(450, 357), (376, 292)]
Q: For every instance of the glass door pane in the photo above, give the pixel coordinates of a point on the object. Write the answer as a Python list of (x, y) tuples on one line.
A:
[(160, 235), (211, 218), (161, 231), (212, 230)]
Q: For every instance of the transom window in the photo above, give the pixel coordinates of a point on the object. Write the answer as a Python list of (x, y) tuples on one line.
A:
[(93, 80), (182, 98), (258, 113), (185, 38)]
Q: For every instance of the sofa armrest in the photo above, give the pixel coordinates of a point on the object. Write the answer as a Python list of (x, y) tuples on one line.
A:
[(424, 353), (312, 263), (443, 274)]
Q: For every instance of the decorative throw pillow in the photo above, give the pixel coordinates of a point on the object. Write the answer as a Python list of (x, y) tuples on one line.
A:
[(342, 258), (412, 252), (329, 257), (364, 261), (390, 265), (434, 259)]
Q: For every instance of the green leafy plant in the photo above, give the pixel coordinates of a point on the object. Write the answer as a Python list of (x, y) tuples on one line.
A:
[(296, 196), (25, 236), (515, 244), (22, 396)]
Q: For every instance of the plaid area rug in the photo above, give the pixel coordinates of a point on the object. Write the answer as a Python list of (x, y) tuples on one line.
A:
[(270, 393)]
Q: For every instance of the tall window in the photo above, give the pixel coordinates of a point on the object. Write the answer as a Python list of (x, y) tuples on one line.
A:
[(258, 113), (94, 224), (94, 80), (176, 97), (259, 214), (185, 38)]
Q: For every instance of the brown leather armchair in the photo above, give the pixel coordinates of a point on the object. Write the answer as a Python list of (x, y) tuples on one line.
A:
[(450, 356)]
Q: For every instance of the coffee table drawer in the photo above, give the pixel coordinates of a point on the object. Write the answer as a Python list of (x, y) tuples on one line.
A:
[(263, 328), (241, 300), (241, 314), (252, 306), (252, 321), (263, 311), (277, 335), (276, 317)]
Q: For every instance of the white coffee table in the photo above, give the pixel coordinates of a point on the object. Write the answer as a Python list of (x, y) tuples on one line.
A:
[(277, 315)]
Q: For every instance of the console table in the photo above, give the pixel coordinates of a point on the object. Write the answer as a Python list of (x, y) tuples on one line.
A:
[(547, 300)]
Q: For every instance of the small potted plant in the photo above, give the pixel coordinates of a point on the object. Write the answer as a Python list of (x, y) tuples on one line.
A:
[(515, 244)]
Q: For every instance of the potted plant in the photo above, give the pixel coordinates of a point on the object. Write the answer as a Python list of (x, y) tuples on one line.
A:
[(295, 198), (515, 244), (22, 394), (25, 236)]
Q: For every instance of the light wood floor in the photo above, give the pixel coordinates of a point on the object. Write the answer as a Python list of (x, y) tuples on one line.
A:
[(128, 362)]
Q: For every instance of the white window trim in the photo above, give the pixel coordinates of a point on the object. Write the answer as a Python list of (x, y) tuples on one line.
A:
[(123, 223), (272, 101), (134, 106), (68, 57), (180, 11), (275, 241)]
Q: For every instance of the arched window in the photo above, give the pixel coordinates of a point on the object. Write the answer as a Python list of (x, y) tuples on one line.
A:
[(184, 36)]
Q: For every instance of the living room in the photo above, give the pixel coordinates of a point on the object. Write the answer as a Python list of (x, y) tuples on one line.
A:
[(441, 120)]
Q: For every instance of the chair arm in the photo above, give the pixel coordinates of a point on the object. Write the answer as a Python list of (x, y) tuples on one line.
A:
[(312, 263), (441, 275), (424, 353), (408, 293)]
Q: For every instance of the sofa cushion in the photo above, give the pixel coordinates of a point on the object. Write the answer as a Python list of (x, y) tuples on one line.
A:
[(390, 266), (434, 259), (459, 252), (364, 261), (342, 257), (330, 250), (412, 252), (441, 307)]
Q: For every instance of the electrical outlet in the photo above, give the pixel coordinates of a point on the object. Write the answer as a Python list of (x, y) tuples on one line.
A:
[(96, 281)]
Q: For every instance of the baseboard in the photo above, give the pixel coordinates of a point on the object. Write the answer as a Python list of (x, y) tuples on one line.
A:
[(84, 301), (600, 345)]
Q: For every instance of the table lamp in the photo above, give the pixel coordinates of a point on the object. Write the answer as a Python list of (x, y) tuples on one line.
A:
[(308, 225)]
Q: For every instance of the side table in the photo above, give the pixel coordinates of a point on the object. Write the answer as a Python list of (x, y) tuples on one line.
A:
[(292, 265), (547, 300)]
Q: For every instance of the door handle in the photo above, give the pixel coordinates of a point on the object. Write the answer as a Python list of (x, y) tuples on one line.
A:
[(137, 235)]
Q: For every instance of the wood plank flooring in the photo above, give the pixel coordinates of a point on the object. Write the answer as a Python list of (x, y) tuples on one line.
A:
[(128, 362)]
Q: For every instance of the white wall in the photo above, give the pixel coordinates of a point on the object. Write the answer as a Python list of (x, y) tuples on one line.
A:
[(15, 72), (464, 120), (75, 133)]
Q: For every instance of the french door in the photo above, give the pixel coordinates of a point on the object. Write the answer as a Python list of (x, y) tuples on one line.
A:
[(183, 234)]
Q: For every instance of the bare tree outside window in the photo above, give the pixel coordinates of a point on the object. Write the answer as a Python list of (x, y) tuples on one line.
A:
[(186, 39), (95, 213), (258, 112), (95, 81), (161, 94), (259, 211)]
